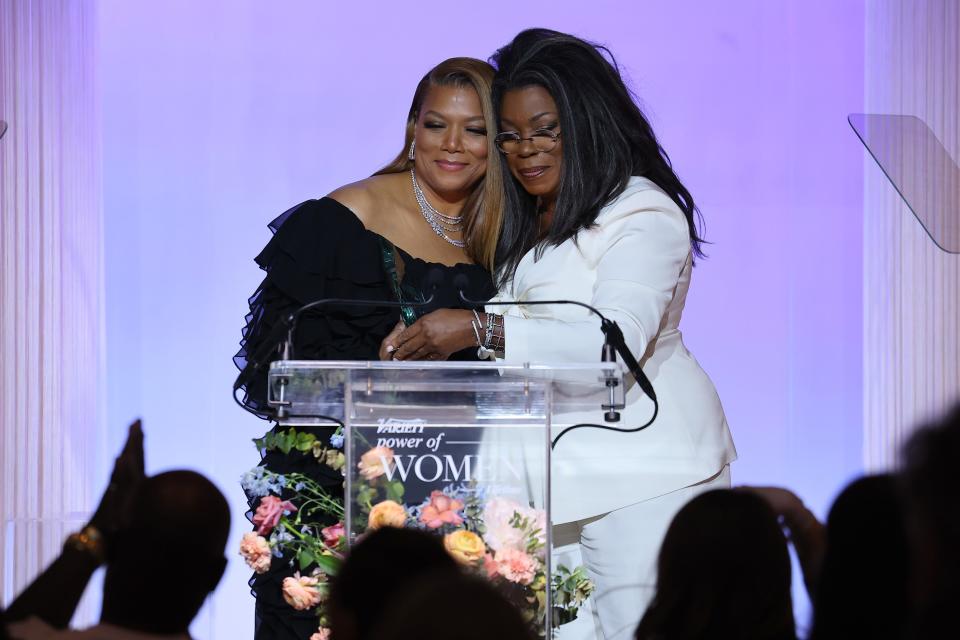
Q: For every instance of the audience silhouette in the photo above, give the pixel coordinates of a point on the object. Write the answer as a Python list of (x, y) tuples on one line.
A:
[(885, 566), (862, 587), (723, 572), (171, 552), (451, 605), (162, 539), (932, 500), (376, 571)]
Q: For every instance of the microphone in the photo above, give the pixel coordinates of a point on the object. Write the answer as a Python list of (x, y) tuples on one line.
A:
[(433, 280), (278, 344), (611, 330), (614, 343)]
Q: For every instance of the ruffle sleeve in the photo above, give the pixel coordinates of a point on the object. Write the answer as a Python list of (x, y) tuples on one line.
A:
[(319, 250)]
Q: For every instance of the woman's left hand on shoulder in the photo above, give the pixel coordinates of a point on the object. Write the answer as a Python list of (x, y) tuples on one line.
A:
[(435, 336)]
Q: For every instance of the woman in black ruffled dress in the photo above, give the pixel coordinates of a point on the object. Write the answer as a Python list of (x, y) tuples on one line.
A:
[(436, 206)]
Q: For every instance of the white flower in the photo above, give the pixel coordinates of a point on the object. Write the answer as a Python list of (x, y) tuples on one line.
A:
[(501, 534)]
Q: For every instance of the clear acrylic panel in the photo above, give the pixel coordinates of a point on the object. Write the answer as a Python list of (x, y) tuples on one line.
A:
[(461, 450), (920, 169)]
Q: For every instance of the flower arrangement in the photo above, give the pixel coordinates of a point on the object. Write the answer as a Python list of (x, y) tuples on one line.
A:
[(491, 535), (292, 519)]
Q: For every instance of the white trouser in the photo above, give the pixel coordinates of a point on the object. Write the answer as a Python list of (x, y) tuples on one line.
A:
[(619, 550)]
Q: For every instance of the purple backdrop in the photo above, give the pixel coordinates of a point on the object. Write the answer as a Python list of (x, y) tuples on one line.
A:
[(220, 115)]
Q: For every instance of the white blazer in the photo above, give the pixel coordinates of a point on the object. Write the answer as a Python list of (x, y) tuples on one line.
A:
[(634, 266)]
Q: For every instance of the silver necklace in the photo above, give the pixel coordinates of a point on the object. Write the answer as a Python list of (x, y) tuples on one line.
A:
[(453, 220), (439, 222)]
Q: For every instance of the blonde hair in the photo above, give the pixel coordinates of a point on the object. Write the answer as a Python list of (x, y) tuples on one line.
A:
[(483, 210)]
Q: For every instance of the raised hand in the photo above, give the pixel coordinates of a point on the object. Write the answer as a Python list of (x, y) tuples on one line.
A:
[(128, 472)]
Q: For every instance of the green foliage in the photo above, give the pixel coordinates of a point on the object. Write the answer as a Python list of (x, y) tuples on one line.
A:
[(305, 558), (365, 496), (328, 564), (303, 441), (570, 590), (530, 529), (286, 441), (394, 491)]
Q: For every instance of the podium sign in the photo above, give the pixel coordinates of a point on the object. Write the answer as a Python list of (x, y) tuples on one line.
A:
[(461, 450)]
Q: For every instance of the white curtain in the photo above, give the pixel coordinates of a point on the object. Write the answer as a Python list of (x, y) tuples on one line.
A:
[(911, 289), (51, 281)]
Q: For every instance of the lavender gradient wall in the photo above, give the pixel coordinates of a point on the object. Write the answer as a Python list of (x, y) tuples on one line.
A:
[(220, 115)]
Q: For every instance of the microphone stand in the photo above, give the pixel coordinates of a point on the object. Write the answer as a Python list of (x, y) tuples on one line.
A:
[(288, 328), (614, 343)]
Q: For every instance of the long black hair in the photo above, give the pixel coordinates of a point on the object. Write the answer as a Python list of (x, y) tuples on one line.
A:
[(606, 140)]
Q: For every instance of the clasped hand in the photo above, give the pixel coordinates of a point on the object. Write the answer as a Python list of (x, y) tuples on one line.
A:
[(434, 336)]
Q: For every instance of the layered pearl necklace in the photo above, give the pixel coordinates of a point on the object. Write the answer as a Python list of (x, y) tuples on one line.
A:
[(439, 222)]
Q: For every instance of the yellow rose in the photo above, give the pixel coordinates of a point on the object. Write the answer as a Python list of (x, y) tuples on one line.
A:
[(465, 546), (387, 514)]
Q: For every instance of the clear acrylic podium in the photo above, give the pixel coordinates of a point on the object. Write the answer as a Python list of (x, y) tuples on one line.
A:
[(460, 449)]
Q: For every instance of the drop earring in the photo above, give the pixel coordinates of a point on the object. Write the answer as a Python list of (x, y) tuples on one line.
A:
[(410, 154)]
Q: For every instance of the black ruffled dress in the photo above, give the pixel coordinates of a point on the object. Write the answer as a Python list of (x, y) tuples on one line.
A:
[(320, 249)]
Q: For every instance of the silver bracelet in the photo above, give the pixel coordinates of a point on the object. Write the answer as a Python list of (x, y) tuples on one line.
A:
[(476, 332), (482, 352), (488, 338), (479, 324)]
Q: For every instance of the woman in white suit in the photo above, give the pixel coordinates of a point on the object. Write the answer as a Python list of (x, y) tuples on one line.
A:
[(595, 213)]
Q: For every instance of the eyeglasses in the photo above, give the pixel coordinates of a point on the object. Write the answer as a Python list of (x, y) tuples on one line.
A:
[(543, 140)]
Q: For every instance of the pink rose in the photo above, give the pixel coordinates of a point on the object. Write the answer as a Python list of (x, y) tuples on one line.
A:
[(441, 510), (268, 513), (301, 592), (322, 633), (376, 462), (500, 534), (332, 534), (515, 566), (255, 551)]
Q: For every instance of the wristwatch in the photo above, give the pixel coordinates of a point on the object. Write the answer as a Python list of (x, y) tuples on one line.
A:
[(88, 540)]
